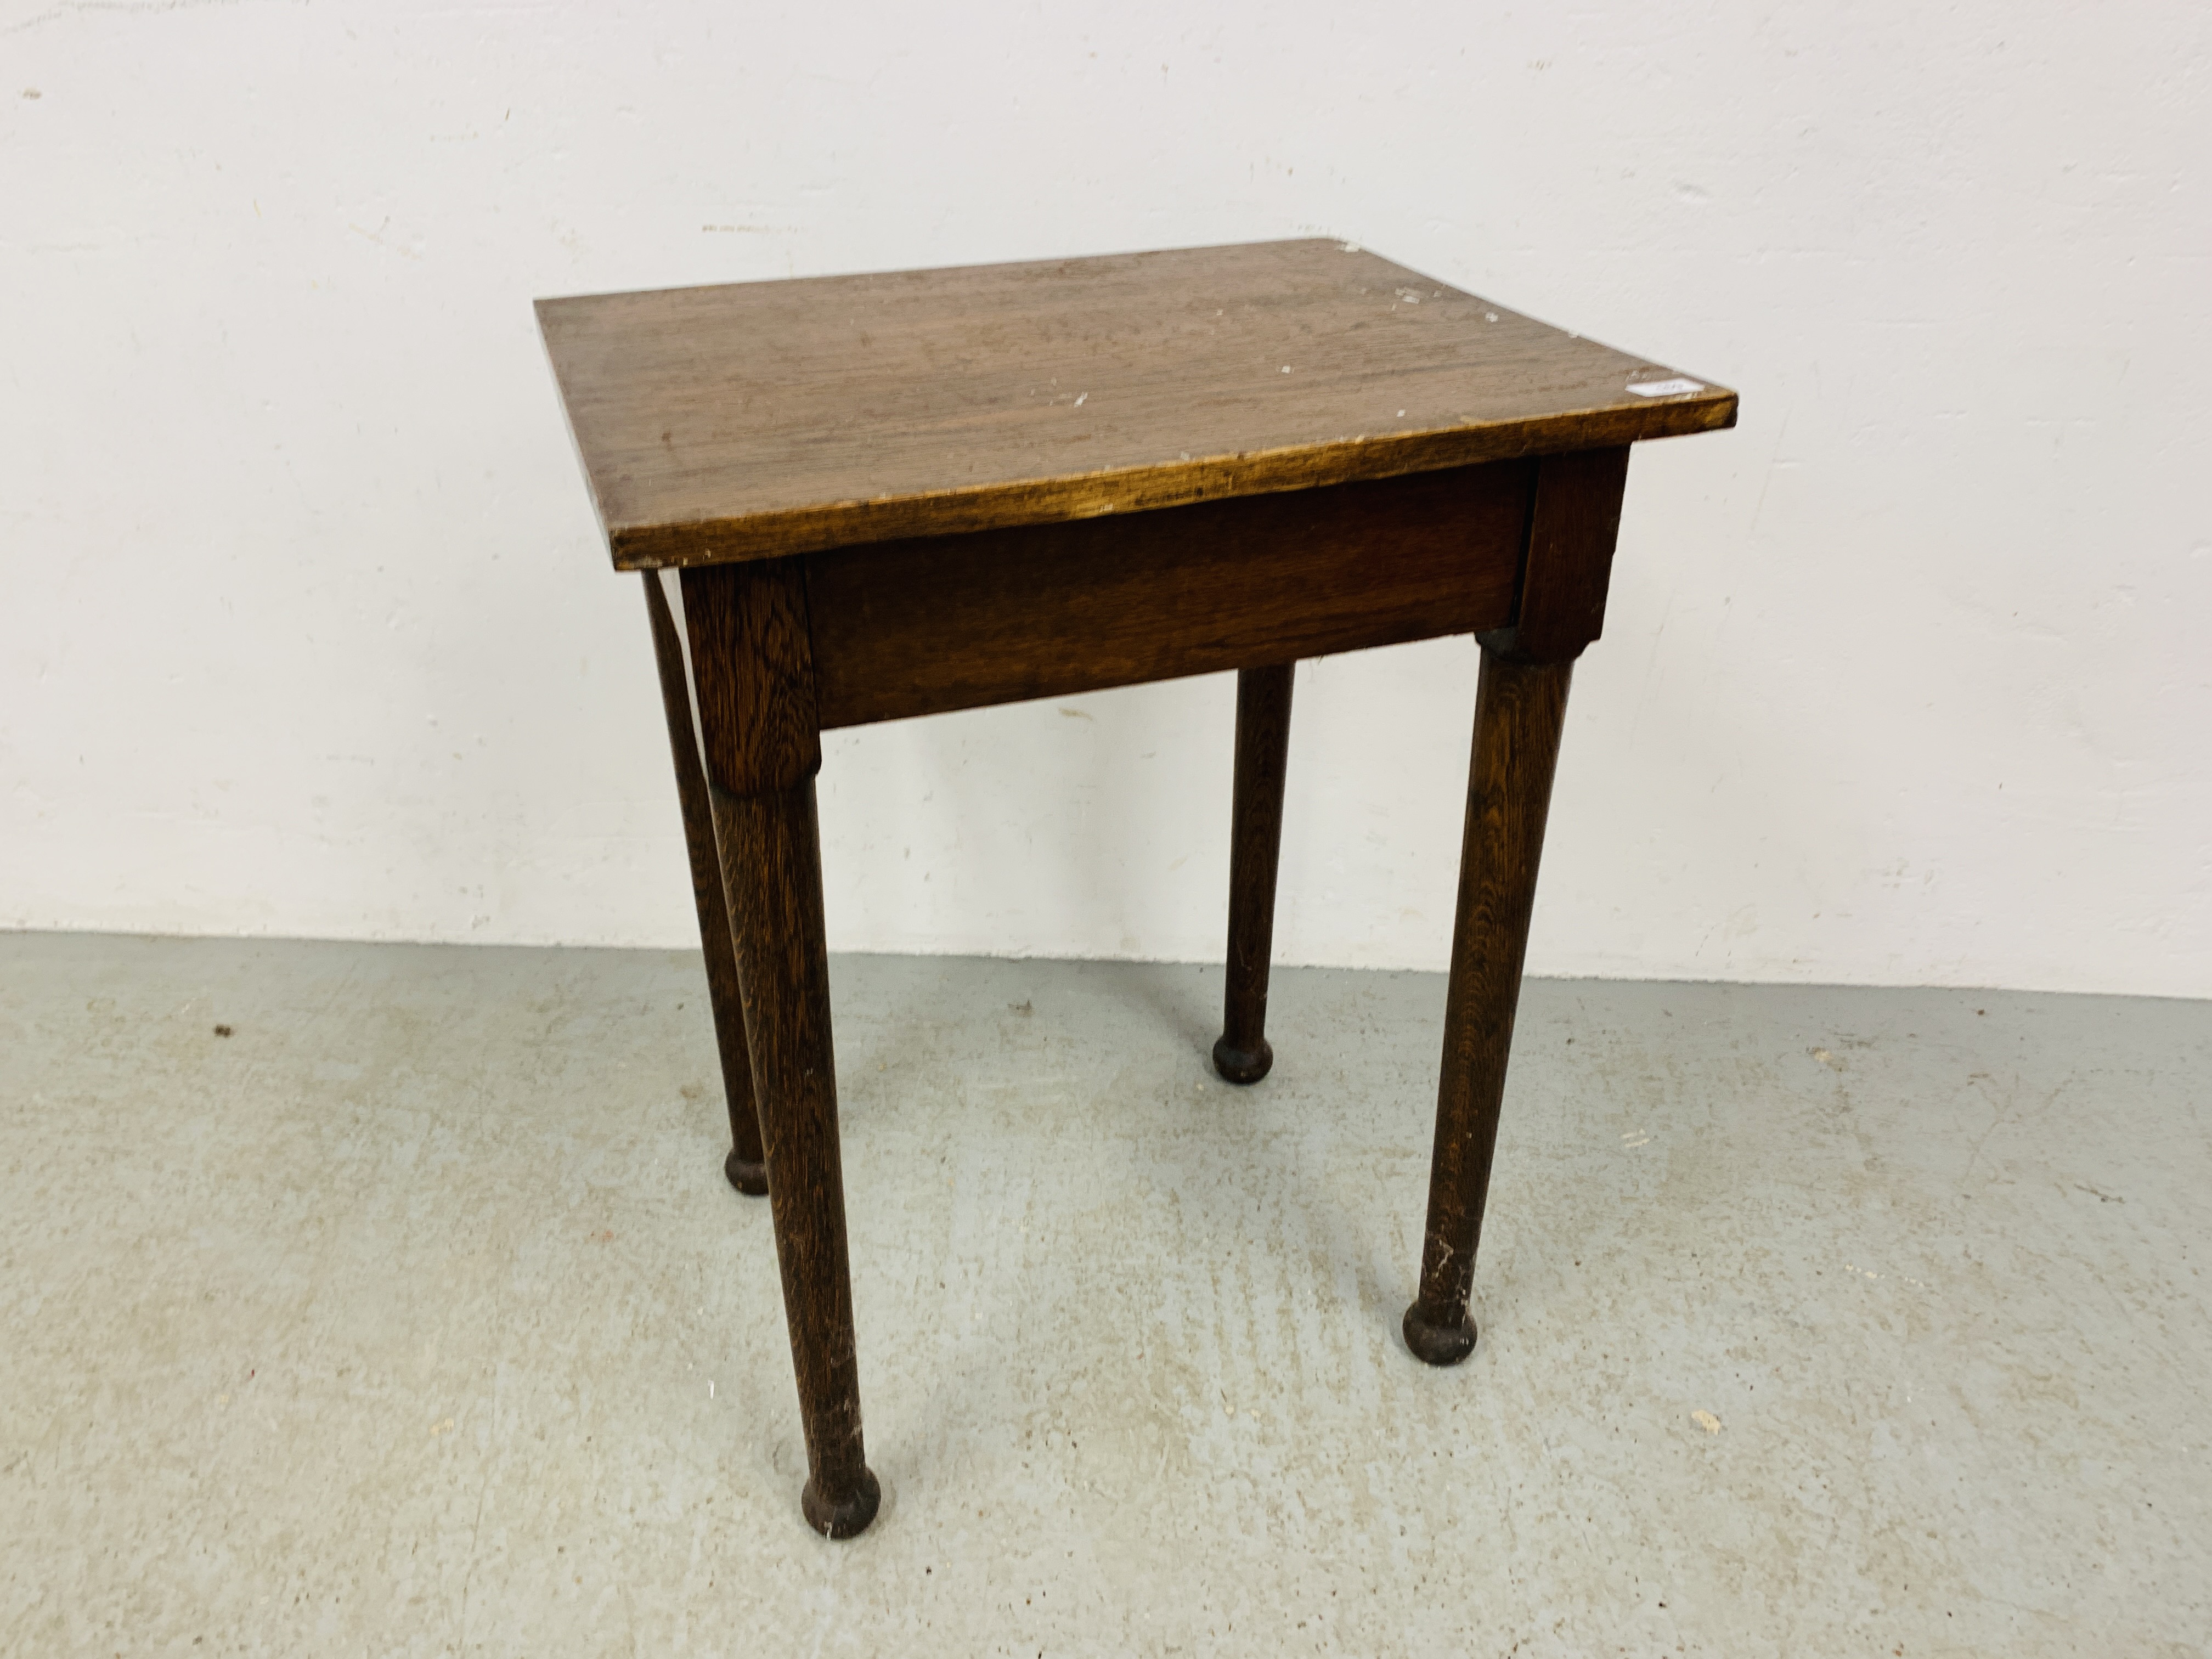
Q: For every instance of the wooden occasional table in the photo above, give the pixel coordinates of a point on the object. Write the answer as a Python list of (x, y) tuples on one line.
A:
[(906, 494)]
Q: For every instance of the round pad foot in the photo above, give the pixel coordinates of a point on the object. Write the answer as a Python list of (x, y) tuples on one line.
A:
[(848, 1518), (1242, 1065), (745, 1177), (1439, 1345)]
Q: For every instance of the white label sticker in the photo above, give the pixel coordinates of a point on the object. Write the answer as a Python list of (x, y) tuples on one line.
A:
[(1666, 388)]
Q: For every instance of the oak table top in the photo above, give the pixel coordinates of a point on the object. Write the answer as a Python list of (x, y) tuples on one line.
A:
[(755, 420)]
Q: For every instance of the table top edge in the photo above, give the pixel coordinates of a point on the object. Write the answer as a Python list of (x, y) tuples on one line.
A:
[(820, 527)]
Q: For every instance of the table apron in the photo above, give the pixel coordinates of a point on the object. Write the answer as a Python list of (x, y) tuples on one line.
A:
[(932, 624)]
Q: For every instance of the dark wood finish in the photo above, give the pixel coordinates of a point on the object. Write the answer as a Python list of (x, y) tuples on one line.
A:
[(1573, 526), (1242, 1054), (1519, 709), (772, 869), (752, 671), (918, 628), (757, 420), (752, 678), (746, 1167), (898, 495)]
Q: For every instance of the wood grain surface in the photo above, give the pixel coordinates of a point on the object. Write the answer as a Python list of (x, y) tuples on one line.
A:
[(1573, 525), (753, 673), (754, 420), (745, 1166), (1242, 1054), (1520, 708), (771, 847), (921, 627)]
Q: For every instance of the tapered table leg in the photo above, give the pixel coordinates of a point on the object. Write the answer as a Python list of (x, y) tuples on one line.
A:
[(745, 1166), (1519, 709), (1255, 841), (772, 870)]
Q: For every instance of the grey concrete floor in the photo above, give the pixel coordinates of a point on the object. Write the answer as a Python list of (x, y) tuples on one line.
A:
[(414, 1317)]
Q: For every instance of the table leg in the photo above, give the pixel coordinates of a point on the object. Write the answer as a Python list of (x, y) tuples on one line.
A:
[(746, 1167), (1255, 841), (1519, 709), (772, 869)]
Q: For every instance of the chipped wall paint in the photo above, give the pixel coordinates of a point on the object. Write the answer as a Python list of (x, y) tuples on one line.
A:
[(306, 631)]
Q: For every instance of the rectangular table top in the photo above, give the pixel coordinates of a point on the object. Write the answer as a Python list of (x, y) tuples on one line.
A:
[(752, 420)]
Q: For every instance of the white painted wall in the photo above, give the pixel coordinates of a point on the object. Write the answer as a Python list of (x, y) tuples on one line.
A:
[(306, 628)]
